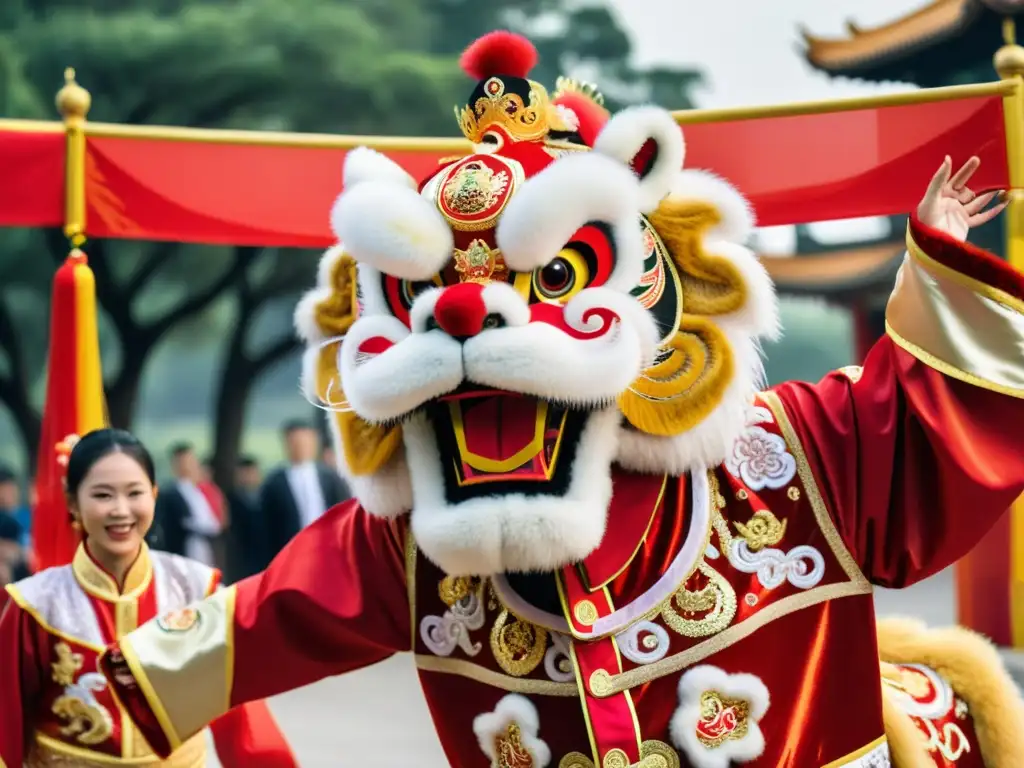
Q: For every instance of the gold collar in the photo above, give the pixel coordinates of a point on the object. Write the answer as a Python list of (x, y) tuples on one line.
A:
[(98, 583)]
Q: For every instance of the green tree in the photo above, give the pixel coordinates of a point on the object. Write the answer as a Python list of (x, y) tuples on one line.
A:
[(387, 67)]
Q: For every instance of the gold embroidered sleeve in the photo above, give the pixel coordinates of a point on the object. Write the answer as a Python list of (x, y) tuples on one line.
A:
[(183, 663), (957, 324)]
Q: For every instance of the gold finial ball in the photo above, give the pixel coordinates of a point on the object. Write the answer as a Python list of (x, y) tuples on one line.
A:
[(1009, 61), (73, 100)]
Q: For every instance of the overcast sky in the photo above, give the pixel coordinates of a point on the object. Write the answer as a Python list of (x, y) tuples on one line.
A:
[(749, 49)]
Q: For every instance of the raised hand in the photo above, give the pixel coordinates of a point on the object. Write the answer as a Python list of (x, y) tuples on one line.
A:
[(951, 206)]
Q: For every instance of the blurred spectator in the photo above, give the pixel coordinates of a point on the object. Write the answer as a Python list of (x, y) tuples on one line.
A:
[(13, 566), (330, 458), (247, 536), (300, 492), (11, 504), (190, 511)]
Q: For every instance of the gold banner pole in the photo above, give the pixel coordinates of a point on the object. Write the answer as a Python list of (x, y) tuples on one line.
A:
[(73, 102), (1009, 64)]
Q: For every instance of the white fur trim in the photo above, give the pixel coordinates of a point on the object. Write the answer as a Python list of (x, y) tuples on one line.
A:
[(683, 727), (417, 368), (305, 311), (371, 291), (574, 190), (514, 532), (392, 228), (625, 134), (737, 215), (385, 493), (711, 440), (539, 359), (365, 164), (518, 710)]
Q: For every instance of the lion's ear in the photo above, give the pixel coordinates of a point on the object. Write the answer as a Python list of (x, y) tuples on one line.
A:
[(648, 140)]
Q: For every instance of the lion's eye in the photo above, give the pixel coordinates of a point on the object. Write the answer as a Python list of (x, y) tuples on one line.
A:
[(562, 277)]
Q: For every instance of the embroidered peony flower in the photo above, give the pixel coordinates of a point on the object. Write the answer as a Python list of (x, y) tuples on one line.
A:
[(716, 723), (760, 460), (508, 735)]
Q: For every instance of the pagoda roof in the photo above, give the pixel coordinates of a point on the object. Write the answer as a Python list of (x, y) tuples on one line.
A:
[(912, 49), (837, 274)]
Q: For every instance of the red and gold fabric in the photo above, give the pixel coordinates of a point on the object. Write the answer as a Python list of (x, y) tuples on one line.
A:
[(74, 404), (734, 647), (948, 700), (60, 711)]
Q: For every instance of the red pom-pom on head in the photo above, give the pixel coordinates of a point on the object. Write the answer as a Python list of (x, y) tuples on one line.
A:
[(499, 53), (592, 116)]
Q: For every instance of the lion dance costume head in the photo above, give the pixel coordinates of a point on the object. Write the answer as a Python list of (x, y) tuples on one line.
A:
[(563, 299)]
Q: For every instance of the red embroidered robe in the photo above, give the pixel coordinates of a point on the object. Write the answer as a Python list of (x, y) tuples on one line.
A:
[(57, 711), (756, 645)]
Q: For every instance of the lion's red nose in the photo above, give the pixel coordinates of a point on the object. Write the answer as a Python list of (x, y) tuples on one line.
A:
[(460, 310)]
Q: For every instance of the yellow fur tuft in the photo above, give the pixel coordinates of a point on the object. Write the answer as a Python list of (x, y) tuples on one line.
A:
[(684, 388), (681, 391), (711, 284), (367, 447)]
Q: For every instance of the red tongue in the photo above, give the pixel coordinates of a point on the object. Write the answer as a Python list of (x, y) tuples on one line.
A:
[(498, 427)]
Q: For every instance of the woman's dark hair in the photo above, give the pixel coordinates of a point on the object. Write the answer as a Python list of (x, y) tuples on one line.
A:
[(103, 442)]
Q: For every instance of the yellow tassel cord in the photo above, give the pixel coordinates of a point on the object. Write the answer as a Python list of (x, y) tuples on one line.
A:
[(682, 390), (973, 668), (367, 446)]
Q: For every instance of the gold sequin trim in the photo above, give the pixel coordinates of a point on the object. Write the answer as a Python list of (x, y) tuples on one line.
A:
[(653, 754), (585, 612), (484, 676)]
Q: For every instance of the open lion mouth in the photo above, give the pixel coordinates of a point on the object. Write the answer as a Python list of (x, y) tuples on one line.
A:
[(492, 441)]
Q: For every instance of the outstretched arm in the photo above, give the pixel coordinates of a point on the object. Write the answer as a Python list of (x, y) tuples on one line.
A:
[(919, 453), (333, 601)]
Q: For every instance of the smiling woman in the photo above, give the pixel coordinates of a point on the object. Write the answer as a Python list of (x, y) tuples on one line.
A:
[(59, 711)]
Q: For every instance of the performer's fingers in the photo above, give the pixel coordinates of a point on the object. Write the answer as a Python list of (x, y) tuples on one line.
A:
[(965, 195), (985, 216), (939, 179), (966, 171), (978, 204)]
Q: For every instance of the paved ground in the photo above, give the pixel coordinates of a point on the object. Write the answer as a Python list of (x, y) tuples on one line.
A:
[(377, 718)]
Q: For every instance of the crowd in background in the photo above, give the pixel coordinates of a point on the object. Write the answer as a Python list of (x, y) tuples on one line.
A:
[(238, 529)]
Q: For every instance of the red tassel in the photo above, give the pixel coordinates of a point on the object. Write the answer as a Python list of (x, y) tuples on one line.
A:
[(54, 539)]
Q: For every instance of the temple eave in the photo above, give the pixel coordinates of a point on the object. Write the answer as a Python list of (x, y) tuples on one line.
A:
[(935, 22), (836, 273)]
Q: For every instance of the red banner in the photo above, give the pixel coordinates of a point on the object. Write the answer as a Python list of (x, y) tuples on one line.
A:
[(32, 170), (869, 162), (793, 169), (235, 194)]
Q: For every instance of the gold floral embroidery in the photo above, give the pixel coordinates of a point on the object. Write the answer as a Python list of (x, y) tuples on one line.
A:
[(478, 263), (67, 664), (518, 646), (88, 721), (793, 493), (717, 599), (762, 530), (509, 749), (453, 589), (721, 719)]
